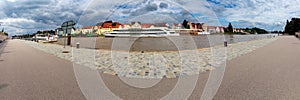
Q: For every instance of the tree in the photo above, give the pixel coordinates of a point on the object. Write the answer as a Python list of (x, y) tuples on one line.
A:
[(248, 30), (114, 24), (39, 32), (52, 32), (292, 26), (286, 28), (259, 31), (185, 24), (230, 28)]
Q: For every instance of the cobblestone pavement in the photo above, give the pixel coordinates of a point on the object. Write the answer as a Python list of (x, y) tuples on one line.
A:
[(167, 64)]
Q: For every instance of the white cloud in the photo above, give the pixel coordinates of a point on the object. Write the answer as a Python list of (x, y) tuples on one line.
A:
[(269, 12), (16, 20), (27, 16), (11, 0)]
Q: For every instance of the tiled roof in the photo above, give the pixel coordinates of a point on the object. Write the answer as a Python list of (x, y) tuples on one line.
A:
[(146, 25), (110, 25), (160, 24)]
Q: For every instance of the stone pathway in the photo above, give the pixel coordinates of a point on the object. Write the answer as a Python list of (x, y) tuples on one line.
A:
[(167, 64)]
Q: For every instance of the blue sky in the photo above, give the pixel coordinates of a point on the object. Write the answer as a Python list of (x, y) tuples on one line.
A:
[(28, 16)]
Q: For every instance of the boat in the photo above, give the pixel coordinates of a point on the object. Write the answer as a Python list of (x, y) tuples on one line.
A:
[(142, 32)]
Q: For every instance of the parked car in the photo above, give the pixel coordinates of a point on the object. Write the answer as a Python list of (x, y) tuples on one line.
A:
[(44, 37)]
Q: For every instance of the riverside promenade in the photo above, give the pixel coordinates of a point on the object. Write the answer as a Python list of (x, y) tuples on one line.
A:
[(270, 73), (30, 74)]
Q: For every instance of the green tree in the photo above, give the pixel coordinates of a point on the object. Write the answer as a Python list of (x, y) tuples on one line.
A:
[(286, 28), (292, 26), (259, 30), (114, 24), (230, 28), (185, 24), (39, 32), (52, 32)]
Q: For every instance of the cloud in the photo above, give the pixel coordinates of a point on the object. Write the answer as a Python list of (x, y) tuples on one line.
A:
[(268, 14), (28, 16), (163, 5), (144, 10), (161, 11), (50, 14), (13, 20)]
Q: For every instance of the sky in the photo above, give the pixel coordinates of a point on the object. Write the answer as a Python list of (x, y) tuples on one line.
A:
[(28, 16)]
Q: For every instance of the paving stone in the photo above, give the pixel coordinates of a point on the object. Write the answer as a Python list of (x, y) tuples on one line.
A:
[(168, 64)]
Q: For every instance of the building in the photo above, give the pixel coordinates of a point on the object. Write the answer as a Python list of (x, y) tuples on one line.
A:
[(238, 30), (127, 26), (87, 30), (176, 26), (109, 26), (161, 25), (204, 27), (96, 29), (59, 31), (136, 25), (216, 29), (147, 25), (212, 29), (222, 29), (2, 35)]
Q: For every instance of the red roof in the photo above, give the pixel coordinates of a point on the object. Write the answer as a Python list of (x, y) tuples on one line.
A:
[(212, 27), (175, 24), (146, 25), (111, 25)]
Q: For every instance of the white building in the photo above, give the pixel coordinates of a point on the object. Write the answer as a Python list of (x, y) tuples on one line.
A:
[(87, 29)]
